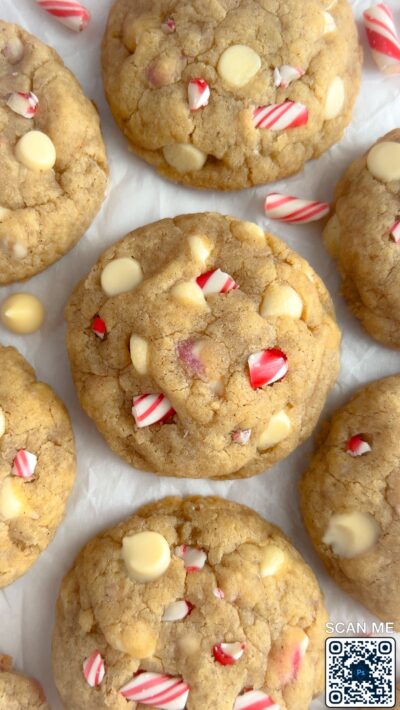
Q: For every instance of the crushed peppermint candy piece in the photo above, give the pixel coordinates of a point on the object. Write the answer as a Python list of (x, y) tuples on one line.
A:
[(267, 367), (150, 409), (279, 117), (168, 26), (395, 232), (23, 103), (255, 700), (188, 352), (69, 12), (357, 446), (383, 37), (284, 75), (198, 94), (241, 436), (94, 669), (99, 328), (24, 464), (216, 281), (293, 209), (218, 593), (161, 691), (193, 558), (228, 653), (176, 611)]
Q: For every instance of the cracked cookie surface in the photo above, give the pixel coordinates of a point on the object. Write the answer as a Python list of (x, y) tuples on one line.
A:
[(44, 209), (17, 691), (276, 612), (152, 51), (37, 465), (350, 498), (227, 377)]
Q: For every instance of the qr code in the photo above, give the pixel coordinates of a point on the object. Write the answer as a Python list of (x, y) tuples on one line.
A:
[(360, 672)]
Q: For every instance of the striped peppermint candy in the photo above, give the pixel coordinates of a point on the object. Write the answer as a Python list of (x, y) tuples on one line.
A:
[(149, 409), (216, 281), (279, 117), (24, 103), (293, 209), (284, 75), (255, 700), (241, 436), (94, 669), (176, 611), (383, 38), (24, 464), (161, 691), (228, 653), (193, 558), (168, 26), (218, 593), (357, 446), (395, 232), (198, 94), (69, 12), (99, 327), (267, 367)]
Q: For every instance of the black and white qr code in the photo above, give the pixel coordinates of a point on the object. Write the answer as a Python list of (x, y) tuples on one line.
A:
[(360, 673)]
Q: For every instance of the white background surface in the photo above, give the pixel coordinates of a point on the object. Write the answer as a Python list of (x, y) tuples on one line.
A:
[(107, 490)]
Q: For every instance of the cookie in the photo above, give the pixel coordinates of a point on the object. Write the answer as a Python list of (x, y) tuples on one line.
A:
[(350, 498), (202, 347), (17, 691), (231, 94), (37, 465), (53, 168), (198, 599), (363, 235)]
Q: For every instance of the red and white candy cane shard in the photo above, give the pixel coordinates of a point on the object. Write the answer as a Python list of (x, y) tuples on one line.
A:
[(357, 446), (193, 558), (168, 26), (216, 281), (228, 653), (284, 75), (94, 669), (267, 367), (99, 328), (218, 593), (198, 94), (383, 38), (298, 656), (279, 117), (24, 464), (241, 436), (160, 691), (293, 209), (255, 700), (69, 12), (176, 611), (24, 103), (188, 352), (151, 409), (395, 232)]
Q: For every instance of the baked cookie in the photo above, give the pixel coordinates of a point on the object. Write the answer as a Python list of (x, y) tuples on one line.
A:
[(196, 599), (37, 465), (364, 236), (231, 94), (202, 347), (17, 691), (53, 169), (350, 498)]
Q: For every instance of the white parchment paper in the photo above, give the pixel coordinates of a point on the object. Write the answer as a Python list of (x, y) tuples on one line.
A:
[(106, 489)]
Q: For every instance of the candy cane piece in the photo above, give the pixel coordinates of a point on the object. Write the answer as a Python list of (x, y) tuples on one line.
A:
[(395, 232), (176, 611), (218, 593), (193, 558), (161, 691), (198, 94), (99, 328), (23, 103), (267, 367), (228, 653), (279, 117), (255, 700), (24, 464), (168, 26), (69, 12), (149, 409), (357, 446), (241, 436), (94, 669), (293, 209), (383, 37), (216, 281), (284, 75)]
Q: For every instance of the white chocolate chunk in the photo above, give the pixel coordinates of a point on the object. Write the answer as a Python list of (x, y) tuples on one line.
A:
[(5, 213), (200, 247), (335, 99), (19, 251), (383, 161), (248, 232), (139, 349), (146, 555), (281, 300), (331, 236), (2, 423), (184, 157), (11, 503), (238, 65), (22, 313), (279, 427), (36, 151), (14, 50), (329, 23), (351, 534), (120, 276), (189, 293), (272, 561)]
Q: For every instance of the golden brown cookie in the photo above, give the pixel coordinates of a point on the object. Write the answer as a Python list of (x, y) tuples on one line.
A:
[(202, 347), (198, 601), (17, 691), (53, 169), (231, 94), (37, 465), (350, 498)]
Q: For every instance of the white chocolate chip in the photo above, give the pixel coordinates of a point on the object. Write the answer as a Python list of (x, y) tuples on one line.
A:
[(36, 151), (11, 503), (184, 158), (22, 313), (14, 50), (200, 248), (248, 232), (329, 23), (279, 427), (189, 293), (335, 99), (2, 423), (272, 561), (5, 213), (139, 349), (238, 65), (351, 534), (120, 276), (331, 236), (19, 251), (281, 300), (383, 161), (146, 556)]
